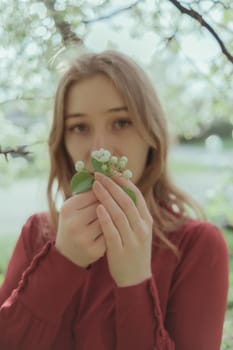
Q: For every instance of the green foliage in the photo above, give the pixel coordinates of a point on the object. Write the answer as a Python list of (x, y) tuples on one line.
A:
[(98, 166), (7, 243), (131, 194), (81, 182)]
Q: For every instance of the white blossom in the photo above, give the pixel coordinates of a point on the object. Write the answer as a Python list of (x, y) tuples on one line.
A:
[(127, 174), (121, 164), (123, 161), (114, 160), (101, 155), (79, 165)]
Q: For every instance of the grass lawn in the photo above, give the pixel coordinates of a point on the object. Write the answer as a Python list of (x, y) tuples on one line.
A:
[(181, 167), (227, 341), (7, 243), (227, 143)]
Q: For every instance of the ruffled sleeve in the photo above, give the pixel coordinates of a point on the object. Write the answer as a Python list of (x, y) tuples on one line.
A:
[(139, 320), (191, 316), (35, 294)]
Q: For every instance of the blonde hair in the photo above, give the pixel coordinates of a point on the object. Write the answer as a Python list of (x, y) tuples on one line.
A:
[(167, 204)]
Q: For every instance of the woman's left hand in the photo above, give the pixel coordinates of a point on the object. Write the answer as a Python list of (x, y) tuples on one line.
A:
[(127, 230)]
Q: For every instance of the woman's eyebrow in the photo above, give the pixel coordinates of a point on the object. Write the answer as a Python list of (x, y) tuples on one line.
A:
[(117, 109), (111, 110)]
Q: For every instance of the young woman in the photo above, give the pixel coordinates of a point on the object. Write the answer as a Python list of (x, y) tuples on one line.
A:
[(102, 273)]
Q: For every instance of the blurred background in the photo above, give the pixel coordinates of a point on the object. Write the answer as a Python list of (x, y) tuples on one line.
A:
[(186, 47)]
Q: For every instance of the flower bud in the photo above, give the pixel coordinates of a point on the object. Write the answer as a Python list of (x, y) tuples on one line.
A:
[(106, 156), (101, 155), (79, 165), (121, 165), (127, 174), (122, 162), (124, 159), (104, 167), (114, 160)]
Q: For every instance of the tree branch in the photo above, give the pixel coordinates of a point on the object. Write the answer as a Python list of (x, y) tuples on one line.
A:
[(110, 15), (68, 36), (194, 14), (19, 151)]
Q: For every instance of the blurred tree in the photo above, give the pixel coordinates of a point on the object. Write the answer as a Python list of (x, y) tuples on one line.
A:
[(36, 36)]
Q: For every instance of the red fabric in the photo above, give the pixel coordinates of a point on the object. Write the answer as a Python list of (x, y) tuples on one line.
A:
[(47, 302)]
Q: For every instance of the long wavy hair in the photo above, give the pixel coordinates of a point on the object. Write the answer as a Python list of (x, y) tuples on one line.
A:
[(168, 205)]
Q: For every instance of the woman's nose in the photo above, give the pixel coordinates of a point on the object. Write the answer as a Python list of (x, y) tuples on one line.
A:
[(102, 140)]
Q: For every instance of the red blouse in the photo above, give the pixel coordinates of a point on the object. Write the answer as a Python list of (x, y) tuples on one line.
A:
[(47, 302)]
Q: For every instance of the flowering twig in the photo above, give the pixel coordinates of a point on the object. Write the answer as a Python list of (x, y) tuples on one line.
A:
[(62, 25), (112, 14), (198, 17), (102, 162)]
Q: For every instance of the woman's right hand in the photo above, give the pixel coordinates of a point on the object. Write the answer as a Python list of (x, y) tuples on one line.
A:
[(79, 237)]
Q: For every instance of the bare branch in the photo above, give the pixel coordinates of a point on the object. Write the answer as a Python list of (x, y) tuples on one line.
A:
[(167, 40), (221, 25), (19, 151), (112, 14), (68, 36), (194, 14)]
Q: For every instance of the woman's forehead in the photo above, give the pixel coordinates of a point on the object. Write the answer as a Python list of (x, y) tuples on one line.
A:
[(96, 93)]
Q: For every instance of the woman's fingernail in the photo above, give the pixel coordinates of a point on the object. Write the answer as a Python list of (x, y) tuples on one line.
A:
[(98, 186), (99, 176)]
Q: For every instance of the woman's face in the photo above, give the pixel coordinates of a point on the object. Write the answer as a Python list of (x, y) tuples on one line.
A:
[(97, 117)]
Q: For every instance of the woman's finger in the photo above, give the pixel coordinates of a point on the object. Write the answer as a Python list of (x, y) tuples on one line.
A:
[(94, 230), (110, 232), (118, 216), (122, 182), (133, 213), (80, 201)]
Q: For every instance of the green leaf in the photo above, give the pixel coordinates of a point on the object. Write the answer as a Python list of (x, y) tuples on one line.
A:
[(81, 182), (98, 166), (131, 194)]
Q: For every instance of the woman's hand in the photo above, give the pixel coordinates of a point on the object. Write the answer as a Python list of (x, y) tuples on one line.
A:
[(79, 236), (127, 230)]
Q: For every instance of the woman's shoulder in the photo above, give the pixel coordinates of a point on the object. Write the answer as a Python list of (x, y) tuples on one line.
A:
[(199, 235), (36, 231)]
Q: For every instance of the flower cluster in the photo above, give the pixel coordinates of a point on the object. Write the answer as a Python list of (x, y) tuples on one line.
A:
[(102, 162), (110, 165)]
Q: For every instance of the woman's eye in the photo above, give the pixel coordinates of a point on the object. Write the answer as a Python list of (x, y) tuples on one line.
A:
[(77, 128), (81, 128), (123, 123)]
